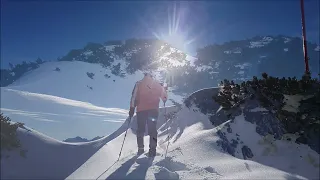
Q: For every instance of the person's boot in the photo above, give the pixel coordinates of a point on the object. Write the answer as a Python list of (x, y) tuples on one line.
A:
[(140, 151), (152, 152)]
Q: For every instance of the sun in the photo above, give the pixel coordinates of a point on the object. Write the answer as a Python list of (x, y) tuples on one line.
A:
[(177, 33), (177, 40)]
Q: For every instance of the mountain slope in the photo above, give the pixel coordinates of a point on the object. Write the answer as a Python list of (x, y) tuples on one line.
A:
[(80, 139), (279, 56), (49, 114), (49, 100), (72, 82), (235, 60), (197, 150), (75, 95)]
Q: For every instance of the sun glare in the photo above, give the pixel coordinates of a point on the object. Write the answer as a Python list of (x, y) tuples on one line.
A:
[(176, 36), (175, 31)]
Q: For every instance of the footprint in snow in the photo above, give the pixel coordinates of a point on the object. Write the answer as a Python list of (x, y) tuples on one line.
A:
[(197, 172), (211, 170), (170, 169), (172, 165), (164, 173), (248, 167)]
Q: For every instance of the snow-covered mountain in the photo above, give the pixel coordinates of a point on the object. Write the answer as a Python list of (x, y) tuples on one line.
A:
[(279, 56), (87, 93), (71, 100), (80, 139), (236, 60), (232, 149)]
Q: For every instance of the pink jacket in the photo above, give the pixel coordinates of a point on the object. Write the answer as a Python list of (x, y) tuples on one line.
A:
[(146, 94)]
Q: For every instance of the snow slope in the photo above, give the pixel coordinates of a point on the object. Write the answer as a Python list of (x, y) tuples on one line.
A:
[(196, 151), (50, 101), (72, 82), (80, 139)]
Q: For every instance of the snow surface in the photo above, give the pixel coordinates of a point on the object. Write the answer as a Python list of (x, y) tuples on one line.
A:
[(286, 40), (49, 100), (193, 154), (258, 109), (88, 53), (261, 43), (241, 72), (243, 66), (235, 51), (110, 47), (44, 100), (292, 102), (203, 68)]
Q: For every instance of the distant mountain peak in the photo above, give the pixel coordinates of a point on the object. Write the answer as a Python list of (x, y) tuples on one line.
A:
[(80, 139), (212, 63)]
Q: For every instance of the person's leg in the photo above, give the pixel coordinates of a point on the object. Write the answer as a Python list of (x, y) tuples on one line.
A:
[(152, 129), (141, 120)]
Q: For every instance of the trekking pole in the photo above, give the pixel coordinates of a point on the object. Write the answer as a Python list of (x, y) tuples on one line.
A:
[(125, 135), (165, 116)]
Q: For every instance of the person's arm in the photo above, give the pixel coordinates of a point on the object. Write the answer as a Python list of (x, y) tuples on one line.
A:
[(133, 101)]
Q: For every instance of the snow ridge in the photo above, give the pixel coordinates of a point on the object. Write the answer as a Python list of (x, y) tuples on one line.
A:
[(197, 149)]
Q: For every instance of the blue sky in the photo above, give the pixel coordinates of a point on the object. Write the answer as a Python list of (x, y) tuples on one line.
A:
[(49, 29)]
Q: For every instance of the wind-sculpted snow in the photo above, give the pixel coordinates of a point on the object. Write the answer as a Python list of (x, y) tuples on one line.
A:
[(60, 117), (71, 102), (250, 131), (200, 147)]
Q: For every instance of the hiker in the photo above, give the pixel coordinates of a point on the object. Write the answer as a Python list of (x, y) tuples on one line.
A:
[(146, 97)]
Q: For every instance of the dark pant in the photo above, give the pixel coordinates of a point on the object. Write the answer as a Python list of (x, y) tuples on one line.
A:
[(150, 118)]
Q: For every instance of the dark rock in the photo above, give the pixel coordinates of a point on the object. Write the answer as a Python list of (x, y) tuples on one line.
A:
[(266, 123), (90, 75), (234, 143), (226, 147), (246, 152), (225, 144), (207, 105), (301, 140), (229, 130)]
